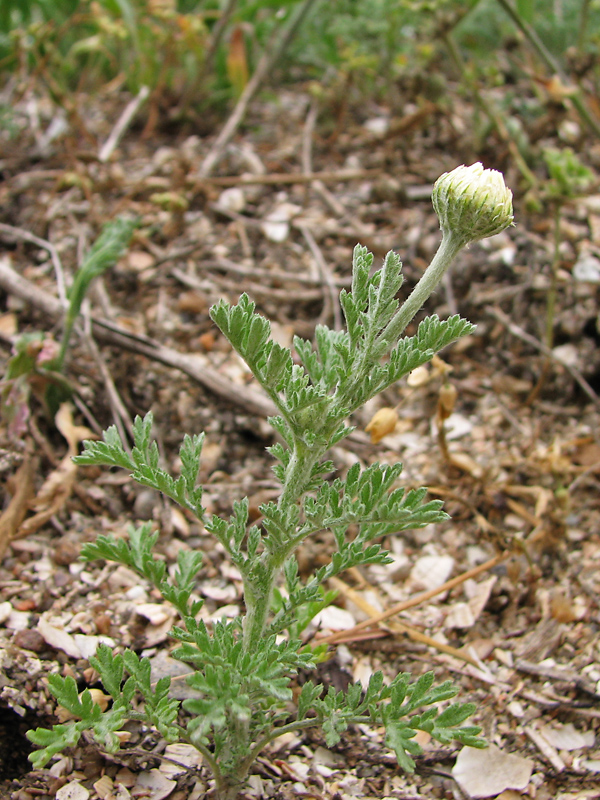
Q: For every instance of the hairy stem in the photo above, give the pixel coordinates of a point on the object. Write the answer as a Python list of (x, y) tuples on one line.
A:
[(447, 251), (258, 592)]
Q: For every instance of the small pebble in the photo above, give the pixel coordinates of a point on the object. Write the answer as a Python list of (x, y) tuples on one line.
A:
[(66, 552), (144, 504), (30, 640)]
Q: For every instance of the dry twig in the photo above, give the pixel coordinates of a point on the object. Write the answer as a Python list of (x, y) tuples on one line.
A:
[(264, 66), (415, 601), (396, 626), (517, 331), (26, 236), (122, 124)]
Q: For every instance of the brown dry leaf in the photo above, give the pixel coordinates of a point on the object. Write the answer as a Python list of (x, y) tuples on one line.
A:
[(558, 91), (74, 434), (486, 773), (8, 325), (464, 462), (587, 454), (14, 514), (57, 487), (104, 787)]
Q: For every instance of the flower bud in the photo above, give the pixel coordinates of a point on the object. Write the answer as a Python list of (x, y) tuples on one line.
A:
[(472, 203)]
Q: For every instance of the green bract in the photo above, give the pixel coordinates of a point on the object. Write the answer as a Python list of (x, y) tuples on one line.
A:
[(243, 669), (472, 203)]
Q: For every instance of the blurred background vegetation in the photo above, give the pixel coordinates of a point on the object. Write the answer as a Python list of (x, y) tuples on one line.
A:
[(198, 52), (527, 69)]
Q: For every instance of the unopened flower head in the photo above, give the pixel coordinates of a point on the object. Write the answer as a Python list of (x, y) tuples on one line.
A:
[(472, 203)]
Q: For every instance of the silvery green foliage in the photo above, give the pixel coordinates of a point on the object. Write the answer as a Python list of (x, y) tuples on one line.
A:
[(243, 669)]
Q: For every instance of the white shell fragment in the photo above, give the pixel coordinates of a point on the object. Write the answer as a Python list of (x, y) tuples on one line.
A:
[(432, 571), (72, 791), (156, 786), (276, 225), (587, 269), (487, 773), (567, 737)]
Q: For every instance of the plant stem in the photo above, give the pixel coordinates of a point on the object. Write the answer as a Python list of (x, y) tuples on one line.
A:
[(582, 30), (446, 253), (258, 590), (550, 309), (488, 109), (66, 337)]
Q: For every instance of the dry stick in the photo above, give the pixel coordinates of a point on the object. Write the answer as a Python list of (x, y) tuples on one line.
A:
[(558, 674), (227, 265), (122, 124), (307, 166), (517, 331), (287, 178), (398, 627), (264, 66), (415, 601), (546, 749), (583, 476), (255, 289), (25, 236), (194, 366), (121, 417), (332, 305)]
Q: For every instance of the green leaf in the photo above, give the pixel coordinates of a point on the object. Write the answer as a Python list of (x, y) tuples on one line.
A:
[(110, 669), (52, 741), (455, 714), (102, 255), (399, 736), (66, 692), (307, 698), (110, 452)]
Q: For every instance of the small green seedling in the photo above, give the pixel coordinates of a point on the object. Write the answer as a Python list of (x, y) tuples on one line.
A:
[(38, 360)]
